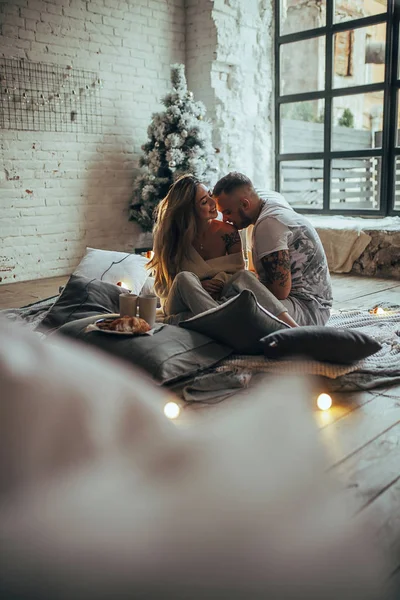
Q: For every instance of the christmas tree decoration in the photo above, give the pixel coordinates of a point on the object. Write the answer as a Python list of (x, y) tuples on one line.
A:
[(179, 141)]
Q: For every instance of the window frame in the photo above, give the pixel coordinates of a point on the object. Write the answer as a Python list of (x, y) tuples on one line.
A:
[(389, 152)]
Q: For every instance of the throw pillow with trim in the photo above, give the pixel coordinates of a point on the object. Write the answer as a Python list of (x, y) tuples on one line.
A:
[(239, 323), (82, 297), (325, 344)]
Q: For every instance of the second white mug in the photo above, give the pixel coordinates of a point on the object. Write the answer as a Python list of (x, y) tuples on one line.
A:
[(148, 308)]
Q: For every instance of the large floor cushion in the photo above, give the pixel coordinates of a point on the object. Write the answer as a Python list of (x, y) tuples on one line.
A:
[(168, 355)]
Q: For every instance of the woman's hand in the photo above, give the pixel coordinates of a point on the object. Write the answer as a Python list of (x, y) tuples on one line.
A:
[(214, 287)]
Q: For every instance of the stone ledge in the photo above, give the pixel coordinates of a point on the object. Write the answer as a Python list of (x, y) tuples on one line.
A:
[(380, 257)]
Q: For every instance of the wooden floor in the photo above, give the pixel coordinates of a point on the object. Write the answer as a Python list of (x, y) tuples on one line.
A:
[(361, 430), (14, 295), (362, 434)]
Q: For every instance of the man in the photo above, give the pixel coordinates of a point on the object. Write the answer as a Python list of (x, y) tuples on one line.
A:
[(287, 253)]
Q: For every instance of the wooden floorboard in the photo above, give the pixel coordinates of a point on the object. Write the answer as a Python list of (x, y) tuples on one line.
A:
[(363, 470), (372, 299), (351, 287), (342, 405), (348, 435), (383, 515), (14, 295), (364, 449)]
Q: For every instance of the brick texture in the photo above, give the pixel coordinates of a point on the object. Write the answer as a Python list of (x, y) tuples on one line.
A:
[(62, 192), (229, 58)]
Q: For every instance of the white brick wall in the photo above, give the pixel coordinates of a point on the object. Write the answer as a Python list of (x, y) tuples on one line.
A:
[(201, 44), (229, 56), (62, 192), (242, 79)]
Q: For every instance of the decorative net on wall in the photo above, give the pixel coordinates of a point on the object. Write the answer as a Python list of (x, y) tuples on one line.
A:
[(40, 97)]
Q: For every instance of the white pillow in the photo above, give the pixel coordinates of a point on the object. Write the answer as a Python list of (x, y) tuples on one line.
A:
[(148, 287), (128, 268), (102, 497)]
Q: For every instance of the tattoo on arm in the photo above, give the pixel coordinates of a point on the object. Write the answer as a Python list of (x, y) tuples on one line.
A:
[(277, 267), (231, 239)]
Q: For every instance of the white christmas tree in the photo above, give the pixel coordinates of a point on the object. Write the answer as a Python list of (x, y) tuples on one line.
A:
[(179, 142)]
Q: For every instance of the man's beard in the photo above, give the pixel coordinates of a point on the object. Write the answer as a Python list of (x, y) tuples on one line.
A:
[(244, 219)]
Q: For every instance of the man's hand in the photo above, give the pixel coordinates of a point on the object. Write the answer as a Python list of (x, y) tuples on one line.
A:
[(214, 287), (277, 274)]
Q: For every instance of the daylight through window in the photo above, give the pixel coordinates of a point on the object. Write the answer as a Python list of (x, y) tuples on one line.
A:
[(337, 84)]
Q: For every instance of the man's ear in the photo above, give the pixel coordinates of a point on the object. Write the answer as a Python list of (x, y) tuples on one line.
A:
[(245, 203)]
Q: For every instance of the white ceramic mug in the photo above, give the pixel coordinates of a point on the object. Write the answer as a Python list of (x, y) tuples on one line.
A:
[(148, 308), (128, 305)]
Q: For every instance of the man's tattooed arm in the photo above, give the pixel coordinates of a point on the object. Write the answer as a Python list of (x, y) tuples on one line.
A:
[(231, 240), (277, 274)]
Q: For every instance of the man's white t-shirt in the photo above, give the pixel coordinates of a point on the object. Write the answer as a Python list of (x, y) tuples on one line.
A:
[(279, 227)]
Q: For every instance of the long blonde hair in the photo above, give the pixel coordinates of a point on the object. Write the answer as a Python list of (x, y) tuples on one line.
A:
[(174, 231)]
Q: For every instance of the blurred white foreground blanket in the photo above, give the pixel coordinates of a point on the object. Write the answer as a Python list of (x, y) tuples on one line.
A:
[(102, 497)]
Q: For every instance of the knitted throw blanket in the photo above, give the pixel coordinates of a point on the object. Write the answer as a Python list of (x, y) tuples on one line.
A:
[(379, 369)]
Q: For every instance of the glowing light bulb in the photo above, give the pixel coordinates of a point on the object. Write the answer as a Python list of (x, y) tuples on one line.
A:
[(324, 401), (171, 410), (380, 311)]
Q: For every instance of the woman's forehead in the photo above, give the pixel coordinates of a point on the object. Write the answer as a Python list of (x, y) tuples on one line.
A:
[(201, 191)]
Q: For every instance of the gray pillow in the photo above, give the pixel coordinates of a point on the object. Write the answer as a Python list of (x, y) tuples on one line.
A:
[(81, 298), (328, 344), (168, 355), (238, 323)]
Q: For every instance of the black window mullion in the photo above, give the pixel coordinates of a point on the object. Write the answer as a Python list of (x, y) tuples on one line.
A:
[(277, 94), (386, 189), (328, 105), (301, 97), (333, 92), (335, 154), (299, 36), (393, 151), (361, 22)]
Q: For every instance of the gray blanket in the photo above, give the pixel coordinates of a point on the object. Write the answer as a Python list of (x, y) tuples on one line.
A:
[(32, 314)]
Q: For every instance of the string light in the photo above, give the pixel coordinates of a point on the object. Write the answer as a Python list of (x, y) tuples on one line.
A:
[(378, 310), (172, 410), (324, 401), (55, 97)]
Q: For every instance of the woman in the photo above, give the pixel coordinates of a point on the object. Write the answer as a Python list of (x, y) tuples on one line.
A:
[(198, 260)]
